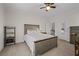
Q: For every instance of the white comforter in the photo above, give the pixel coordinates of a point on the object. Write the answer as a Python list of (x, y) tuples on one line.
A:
[(31, 37)]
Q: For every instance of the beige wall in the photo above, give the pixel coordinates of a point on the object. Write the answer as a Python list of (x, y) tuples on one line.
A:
[(1, 27), (17, 15), (20, 14)]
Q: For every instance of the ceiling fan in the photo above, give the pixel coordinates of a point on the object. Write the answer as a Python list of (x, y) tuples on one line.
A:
[(48, 6)]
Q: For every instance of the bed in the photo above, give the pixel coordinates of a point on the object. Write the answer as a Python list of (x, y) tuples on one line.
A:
[(37, 42)]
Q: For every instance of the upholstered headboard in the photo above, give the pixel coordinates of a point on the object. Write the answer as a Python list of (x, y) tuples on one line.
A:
[(30, 27)]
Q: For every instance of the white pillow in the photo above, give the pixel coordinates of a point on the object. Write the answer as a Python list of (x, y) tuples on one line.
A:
[(30, 31), (38, 30)]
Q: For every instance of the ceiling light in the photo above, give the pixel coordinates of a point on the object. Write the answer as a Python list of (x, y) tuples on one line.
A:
[(48, 7)]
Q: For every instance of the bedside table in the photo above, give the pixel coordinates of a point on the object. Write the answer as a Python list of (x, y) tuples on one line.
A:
[(44, 32)]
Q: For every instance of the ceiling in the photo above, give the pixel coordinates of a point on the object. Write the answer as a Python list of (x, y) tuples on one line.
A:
[(61, 8), (36, 6)]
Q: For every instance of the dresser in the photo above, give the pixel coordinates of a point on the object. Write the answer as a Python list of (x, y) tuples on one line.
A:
[(73, 30)]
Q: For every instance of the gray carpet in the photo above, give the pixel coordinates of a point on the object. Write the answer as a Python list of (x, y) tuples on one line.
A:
[(21, 49)]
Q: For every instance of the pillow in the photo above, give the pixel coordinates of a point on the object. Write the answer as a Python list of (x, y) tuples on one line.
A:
[(30, 31), (38, 30)]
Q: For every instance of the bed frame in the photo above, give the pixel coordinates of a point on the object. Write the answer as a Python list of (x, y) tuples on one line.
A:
[(43, 45)]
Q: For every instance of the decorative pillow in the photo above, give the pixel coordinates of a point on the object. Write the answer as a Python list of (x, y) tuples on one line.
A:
[(30, 31)]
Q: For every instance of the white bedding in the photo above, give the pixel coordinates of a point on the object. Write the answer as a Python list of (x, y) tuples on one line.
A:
[(31, 37)]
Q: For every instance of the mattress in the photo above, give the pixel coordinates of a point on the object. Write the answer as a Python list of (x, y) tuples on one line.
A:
[(32, 37)]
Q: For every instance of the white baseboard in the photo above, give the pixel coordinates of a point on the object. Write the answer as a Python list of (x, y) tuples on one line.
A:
[(65, 40), (1, 49)]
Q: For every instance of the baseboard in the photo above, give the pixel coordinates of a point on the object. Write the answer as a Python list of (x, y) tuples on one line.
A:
[(1, 49), (64, 40)]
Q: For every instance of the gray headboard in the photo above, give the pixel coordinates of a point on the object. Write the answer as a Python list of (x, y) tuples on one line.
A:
[(30, 27)]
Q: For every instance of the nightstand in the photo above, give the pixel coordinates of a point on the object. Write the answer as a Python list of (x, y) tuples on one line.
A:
[(44, 32)]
